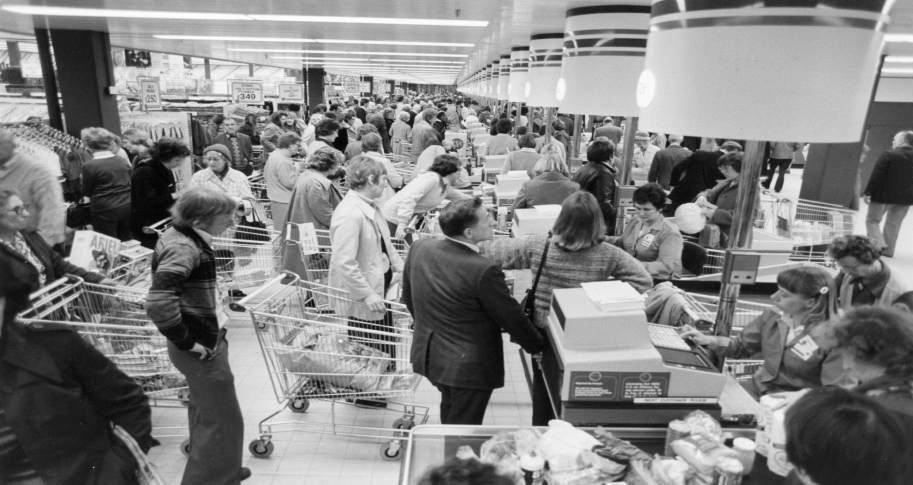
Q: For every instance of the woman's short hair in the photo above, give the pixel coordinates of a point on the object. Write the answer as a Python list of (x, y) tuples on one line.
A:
[(324, 159), (558, 125), (864, 249), (445, 164), (388, 112), (288, 139), (5, 195), (371, 142), (836, 436), (551, 162), (651, 193), (167, 149), (732, 160), (326, 127), (463, 472), (459, 215), (98, 138), (600, 151), (504, 125), (202, 205), (136, 137), (361, 169), (527, 141), (876, 335), (377, 120), (404, 116), (552, 149), (364, 130), (276, 117), (580, 224)]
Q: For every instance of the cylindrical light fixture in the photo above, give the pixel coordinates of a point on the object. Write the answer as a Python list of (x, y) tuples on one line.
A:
[(504, 77), (495, 71), (544, 69), (773, 72), (519, 68), (604, 49)]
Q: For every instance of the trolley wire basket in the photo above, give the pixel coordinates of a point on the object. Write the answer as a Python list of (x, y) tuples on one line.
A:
[(113, 320), (314, 351), (706, 307)]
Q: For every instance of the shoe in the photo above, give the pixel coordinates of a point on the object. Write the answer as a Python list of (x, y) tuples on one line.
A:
[(237, 294), (245, 473)]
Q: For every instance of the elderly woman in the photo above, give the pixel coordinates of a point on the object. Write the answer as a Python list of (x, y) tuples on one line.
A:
[(551, 185), (25, 256), (310, 133), (423, 193), (184, 305), (220, 176), (354, 148), (326, 132), (364, 258), (371, 146), (650, 238), (718, 205), (315, 197), (400, 131), (106, 181), (153, 188), (523, 159), (272, 131), (280, 174), (576, 253)]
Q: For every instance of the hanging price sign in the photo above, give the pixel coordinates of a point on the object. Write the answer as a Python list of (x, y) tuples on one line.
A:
[(150, 95), (291, 92), (247, 92)]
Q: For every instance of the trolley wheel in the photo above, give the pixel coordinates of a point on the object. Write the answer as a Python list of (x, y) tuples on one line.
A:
[(404, 423), (261, 449), (185, 447), (391, 451), (261, 326), (184, 397), (299, 404)]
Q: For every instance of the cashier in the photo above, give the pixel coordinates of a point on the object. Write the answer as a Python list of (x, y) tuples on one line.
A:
[(805, 298), (650, 238)]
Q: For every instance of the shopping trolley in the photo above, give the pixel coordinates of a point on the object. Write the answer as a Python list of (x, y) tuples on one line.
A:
[(706, 307), (113, 319), (312, 353), (262, 203), (245, 257)]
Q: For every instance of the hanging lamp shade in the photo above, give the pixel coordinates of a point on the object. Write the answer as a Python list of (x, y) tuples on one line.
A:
[(493, 80), (519, 69), (504, 77), (604, 49), (486, 79), (799, 70), (544, 69)]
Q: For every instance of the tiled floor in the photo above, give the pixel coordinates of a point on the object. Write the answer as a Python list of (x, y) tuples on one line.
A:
[(308, 457)]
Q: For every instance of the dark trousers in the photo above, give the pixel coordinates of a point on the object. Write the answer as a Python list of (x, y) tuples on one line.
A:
[(113, 222), (215, 420), (772, 165), (460, 405)]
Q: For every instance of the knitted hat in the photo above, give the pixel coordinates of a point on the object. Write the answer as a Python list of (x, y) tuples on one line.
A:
[(642, 136), (218, 147)]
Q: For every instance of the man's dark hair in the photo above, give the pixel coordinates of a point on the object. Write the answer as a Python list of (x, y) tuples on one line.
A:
[(294, 107), (321, 108), (167, 149), (448, 100), (218, 119), (335, 107), (363, 102), (600, 151), (504, 125), (839, 437), (465, 472), (474, 102), (862, 248), (326, 127), (459, 215)]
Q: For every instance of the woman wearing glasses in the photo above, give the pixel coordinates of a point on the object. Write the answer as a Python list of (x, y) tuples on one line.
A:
[(25, 256)]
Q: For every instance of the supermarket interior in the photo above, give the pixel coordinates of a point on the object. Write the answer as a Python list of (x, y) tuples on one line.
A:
[(460, 242)]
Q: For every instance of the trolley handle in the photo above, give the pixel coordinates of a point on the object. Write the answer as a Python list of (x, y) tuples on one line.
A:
[(154, 228), (285, 277)]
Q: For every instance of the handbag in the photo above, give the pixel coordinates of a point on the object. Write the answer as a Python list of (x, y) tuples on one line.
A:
[(528, 305), (252, 230), (78, 215)]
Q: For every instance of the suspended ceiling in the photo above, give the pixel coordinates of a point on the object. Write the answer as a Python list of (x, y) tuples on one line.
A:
[(510, 23)]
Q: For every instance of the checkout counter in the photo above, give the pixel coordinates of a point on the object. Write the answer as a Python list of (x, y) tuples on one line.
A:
[(607, 366)]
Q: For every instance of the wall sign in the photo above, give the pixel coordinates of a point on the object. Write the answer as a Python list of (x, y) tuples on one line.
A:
[(246, 92), (291, 92), (150, 94)]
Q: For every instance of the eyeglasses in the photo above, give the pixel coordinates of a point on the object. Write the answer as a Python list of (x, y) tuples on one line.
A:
[(19, 210)]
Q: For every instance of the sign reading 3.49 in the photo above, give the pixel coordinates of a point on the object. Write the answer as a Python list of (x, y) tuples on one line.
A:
[(247, 92)]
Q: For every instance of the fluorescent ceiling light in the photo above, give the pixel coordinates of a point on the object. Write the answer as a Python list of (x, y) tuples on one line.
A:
[(371, 20), (898, 37), (113, 13), (898, 59), (409, 68), (367, 61), (897, 71), (318, 41), (353, 53)]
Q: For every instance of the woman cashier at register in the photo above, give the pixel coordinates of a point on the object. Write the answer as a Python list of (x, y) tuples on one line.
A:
[(792, 360)]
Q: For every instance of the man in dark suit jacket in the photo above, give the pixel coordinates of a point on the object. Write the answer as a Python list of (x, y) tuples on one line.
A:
[(697, 173), (360, 111), (239, 146), (460, 303), (666, 159), (890, 192)]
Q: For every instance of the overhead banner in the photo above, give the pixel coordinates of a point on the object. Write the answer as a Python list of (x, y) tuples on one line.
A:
[(291, 92), (246, 92), (150, 94)]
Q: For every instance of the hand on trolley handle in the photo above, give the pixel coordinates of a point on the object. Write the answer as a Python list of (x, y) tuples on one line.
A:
[(375, 303)]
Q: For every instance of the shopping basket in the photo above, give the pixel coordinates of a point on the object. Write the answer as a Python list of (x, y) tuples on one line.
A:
[(312, 353), (113, 319)]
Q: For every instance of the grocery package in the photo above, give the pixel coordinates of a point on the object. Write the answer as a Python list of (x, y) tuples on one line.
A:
[(334, 360)]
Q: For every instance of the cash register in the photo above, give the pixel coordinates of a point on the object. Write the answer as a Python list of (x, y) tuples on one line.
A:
[(607, 366)]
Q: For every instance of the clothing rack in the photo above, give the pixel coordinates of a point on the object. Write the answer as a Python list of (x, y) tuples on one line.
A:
[(159, 124), (45, 144)]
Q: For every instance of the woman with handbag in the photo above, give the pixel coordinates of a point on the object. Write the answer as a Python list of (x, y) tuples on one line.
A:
[(574, 253)]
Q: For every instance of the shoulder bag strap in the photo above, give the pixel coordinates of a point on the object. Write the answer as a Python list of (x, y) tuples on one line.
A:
[(532, 290)]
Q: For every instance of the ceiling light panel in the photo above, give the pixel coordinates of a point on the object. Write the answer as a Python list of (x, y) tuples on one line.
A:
[(898, 59), (371, 20), (231, 38), (366, 60), (352, 53), (113, 13)]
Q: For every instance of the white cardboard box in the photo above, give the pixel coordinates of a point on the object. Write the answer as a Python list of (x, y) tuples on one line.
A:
[(538, 220)]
